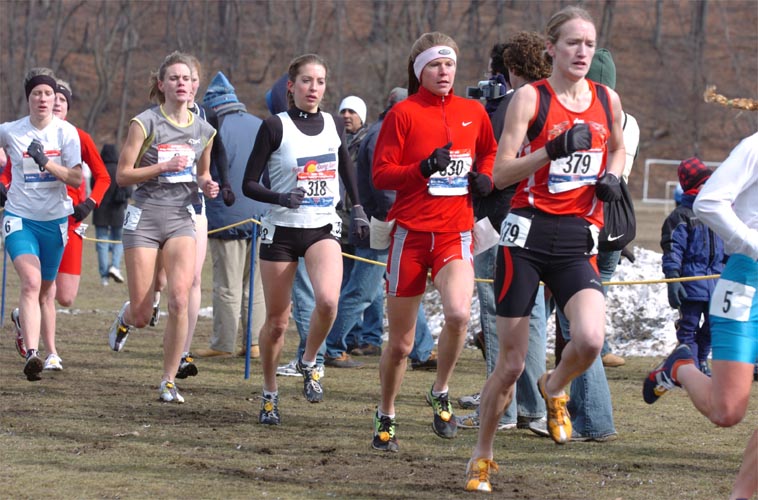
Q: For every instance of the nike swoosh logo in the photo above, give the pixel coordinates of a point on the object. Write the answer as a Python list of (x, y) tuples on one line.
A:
[(614, 238), (447, 258), (466, 124)]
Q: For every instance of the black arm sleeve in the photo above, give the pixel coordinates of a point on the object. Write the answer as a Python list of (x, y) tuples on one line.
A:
[(267, 141), (218, 151), (346, 166)]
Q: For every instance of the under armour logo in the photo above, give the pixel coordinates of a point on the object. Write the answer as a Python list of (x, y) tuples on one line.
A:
[(303, 115)]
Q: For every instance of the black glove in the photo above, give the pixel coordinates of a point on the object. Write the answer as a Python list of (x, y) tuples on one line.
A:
[(228, 195), (574, 139), (83, 209), (608, 188), (437, 161), (358, 222), (3, 194), (293, 199), (677, 294), (479, 184), (37, 151)]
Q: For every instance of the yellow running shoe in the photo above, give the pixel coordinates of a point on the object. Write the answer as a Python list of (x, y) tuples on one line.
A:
[(558, 418), (478, 474)]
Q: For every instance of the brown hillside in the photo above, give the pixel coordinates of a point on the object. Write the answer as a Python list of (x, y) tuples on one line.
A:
[(366, 43)]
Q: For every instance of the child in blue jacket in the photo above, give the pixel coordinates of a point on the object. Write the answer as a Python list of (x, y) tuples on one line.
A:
[(690, 248)]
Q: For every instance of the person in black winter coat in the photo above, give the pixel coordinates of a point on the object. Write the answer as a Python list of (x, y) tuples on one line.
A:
[(108, 219)]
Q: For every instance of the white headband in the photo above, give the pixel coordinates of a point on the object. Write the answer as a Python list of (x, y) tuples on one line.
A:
[(429, 55)]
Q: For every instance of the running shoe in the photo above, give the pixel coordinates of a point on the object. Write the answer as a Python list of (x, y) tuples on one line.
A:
[(312, 389), (444, 425), (53, 363), (288, 370), (558, 418), (663, 378), (19, 343), (187, 367), (119, 331), (269, 414), (470, 402), (169, 393), (384, 433), (156, 314), (33, 366), (471, 421), (478, 474)]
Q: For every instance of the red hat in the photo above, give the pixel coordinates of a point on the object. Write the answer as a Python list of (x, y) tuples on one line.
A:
[(692, 174)]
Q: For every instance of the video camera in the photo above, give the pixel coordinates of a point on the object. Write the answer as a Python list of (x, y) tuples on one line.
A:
[(486, 89)]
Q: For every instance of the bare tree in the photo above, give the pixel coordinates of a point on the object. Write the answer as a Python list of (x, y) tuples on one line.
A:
[(606, 23)]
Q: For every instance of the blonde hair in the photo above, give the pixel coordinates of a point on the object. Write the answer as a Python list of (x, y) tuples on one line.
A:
[(39, 71), (175, 57), (424, 42), (294, 70), (556, 22)]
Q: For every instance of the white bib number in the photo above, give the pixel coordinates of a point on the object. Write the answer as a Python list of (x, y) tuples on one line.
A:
[(131, 217), (267, 232), (318, 178), (11, 225), (514, 230), (576, 170), (453, 180), (168, 151), (38, 176), (732, 300)]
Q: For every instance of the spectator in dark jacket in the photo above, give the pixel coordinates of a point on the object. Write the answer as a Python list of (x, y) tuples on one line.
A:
[(108, 219), (231, 248), (690, 248)]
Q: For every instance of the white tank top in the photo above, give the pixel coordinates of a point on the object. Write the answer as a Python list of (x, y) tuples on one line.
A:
[(309, 162)]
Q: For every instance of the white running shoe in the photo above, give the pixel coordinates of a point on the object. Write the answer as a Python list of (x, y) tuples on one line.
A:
[(288, 370), (119, 331), (470, 402), (168, 393), (53, 363), (19, 340)]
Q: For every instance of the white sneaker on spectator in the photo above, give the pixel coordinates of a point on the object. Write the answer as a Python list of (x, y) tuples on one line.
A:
[(115, 273)]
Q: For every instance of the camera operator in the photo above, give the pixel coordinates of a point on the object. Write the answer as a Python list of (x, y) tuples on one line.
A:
[(499, 75)]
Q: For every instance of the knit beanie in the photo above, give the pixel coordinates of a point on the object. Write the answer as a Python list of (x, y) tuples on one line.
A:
[(603, 70), (219, 92), (692, 174), (396, 95), (356, 104)]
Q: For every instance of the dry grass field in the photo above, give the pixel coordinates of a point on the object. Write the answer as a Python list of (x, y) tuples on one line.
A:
[(96, 430)]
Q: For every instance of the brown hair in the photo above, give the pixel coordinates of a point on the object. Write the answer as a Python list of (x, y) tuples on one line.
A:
[(175, 57), (294, 70), (524, 54), (424, 42), (556, 22)]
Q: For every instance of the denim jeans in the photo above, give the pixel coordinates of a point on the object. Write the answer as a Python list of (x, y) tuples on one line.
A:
[(370, 330), (423, 342), (357, 297), (303, 303), (527, 401), (116, 249), (590, 405)]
